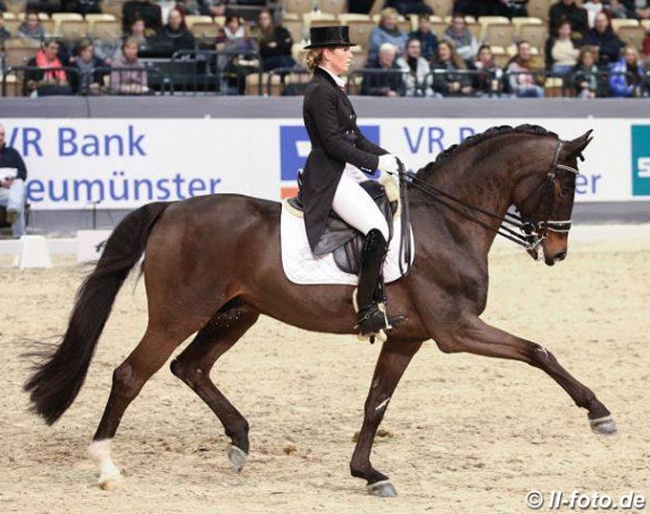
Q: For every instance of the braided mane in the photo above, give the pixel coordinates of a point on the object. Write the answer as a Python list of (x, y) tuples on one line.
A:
[(479, 138)]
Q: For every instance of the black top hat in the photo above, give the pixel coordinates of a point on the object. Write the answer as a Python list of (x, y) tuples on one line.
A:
[(329, 36)]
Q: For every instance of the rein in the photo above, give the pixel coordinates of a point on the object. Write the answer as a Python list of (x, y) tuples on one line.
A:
[(523, 231)]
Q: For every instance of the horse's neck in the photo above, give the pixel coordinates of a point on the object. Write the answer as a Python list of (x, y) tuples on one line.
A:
[(482, 181)]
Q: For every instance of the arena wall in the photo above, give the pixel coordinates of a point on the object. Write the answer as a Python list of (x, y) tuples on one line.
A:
[(92, 160)]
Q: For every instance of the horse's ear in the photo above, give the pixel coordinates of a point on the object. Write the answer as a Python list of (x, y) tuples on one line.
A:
[(576, 147)]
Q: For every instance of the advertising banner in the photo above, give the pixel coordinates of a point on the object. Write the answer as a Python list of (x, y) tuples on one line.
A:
[(124, 163)]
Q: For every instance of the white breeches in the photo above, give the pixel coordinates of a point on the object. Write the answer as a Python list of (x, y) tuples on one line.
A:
[(355, 206)]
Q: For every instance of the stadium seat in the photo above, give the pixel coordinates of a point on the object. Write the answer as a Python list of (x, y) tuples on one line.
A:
[(439, 27), (477, 30), (319, 22), (41, 16), (333, 6), (12, 25), (441, 7), (536, 35), (360, 32), (377, 6), (9, 16), (19, 55), (297, 6), (317, 18), (500, 34), (191, 19), (72, 30), (113, 7), (49, 26), (205, 31), (93, 17), (345, 18), (105, 29), (645, 24), (618, 23), (539, 8), (500, 55), (296, 29), (632, 36), (525, 20)]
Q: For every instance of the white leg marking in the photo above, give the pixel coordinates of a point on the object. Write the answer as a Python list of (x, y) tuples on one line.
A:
[(109, 474), (383, 404)]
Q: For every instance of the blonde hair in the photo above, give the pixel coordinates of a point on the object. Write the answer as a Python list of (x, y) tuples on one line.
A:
[(385, 14), (313, 58)]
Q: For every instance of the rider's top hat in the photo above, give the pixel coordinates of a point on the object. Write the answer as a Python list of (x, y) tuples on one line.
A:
[(329, 36)]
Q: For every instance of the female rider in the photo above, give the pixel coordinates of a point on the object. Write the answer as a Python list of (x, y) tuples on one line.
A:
[(339, 155)]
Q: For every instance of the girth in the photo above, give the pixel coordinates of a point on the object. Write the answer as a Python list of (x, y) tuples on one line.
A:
[(342, 240)]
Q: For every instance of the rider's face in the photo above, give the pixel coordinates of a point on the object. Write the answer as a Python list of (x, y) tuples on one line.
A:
[(338, 59)]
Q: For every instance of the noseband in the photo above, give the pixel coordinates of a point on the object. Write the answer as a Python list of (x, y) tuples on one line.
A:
[(534, 232)]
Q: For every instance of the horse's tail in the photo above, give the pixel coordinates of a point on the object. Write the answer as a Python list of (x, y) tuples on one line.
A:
[(58, 378)]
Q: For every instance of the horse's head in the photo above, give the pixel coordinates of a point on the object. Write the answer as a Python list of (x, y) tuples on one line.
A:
[(545, 198)]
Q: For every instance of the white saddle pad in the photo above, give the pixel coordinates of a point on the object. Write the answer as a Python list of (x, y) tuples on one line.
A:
[(303, 267)]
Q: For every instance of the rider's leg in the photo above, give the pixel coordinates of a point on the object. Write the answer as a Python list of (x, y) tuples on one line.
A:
[(356, 208)]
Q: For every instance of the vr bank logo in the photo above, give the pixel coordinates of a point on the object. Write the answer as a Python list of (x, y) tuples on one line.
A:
[(294, 149), (641, 160)]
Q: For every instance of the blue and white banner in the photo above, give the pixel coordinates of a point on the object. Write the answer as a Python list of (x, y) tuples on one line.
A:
[(125, 163)]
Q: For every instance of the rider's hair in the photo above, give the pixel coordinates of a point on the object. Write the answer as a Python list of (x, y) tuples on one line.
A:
[(314, 58)]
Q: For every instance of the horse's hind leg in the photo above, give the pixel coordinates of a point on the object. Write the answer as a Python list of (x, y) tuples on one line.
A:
[(475, 336), (393, 360), (128, 379), (193, 367)]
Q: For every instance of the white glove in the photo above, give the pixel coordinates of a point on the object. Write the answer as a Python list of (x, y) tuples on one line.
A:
[(388, 164)]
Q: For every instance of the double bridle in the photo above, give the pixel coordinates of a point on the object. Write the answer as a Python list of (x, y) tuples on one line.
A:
[(522, 230)]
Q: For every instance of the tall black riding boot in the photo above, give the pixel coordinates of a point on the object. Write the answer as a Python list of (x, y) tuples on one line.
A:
[(373, 316)]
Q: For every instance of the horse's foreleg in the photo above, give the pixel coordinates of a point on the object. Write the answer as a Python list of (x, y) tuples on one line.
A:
[(128, 379), (193, 367), (393, 360), (476, 336)]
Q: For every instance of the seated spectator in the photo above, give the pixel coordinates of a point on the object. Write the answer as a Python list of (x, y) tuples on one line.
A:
[(450, 83), (88, 79), (175, 32), (31, 27), (642, 9), (584, 75), (569, 10), (217, 7), (45, 6), (592, 7), (561, 51), (46, 76), (462, 37), (237, 55), (388, 82), (418, 79), (274, 42), (618, 9), (487, 82), (646, 45), (3, 7), (12, 185), (4, 33), (81, 6), (128, 73), (522, 83), (627, 76), (478, 8), (386, 31), (150, 13), (608, 43), (428, 40), (407, 7)]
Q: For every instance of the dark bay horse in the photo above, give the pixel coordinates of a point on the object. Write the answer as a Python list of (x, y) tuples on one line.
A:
[(213, 264)]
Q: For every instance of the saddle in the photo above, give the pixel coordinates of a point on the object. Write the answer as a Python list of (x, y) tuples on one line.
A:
[(340, 239)]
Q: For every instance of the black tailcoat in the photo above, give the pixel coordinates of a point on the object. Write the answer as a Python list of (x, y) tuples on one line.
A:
[(336, 140)]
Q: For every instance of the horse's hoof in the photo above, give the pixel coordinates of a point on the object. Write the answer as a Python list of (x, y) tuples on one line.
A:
[(604, 425), (110, 482), (383, 489), (237, 458)]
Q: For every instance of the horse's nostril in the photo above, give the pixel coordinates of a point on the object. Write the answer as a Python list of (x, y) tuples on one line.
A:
[(560, 257)]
